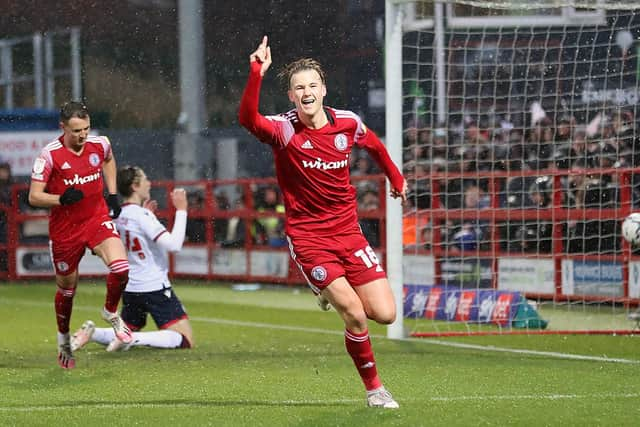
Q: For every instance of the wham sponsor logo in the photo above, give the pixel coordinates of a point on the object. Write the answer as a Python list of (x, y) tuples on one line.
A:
[(79, 180), (318, 163)]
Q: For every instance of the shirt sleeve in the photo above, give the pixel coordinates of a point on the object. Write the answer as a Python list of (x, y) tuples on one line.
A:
[(150, 225), (106, 146), (273, 130), (42, 166), (173, 241), (368, 140)]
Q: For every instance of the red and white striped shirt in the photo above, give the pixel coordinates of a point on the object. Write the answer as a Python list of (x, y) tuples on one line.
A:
[(60, 168), (312, 165)]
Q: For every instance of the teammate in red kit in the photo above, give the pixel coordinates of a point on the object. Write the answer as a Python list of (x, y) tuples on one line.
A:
[(67, 177), (311, 146)]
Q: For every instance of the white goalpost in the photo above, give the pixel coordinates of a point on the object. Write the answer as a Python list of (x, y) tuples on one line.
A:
[(516, 125)]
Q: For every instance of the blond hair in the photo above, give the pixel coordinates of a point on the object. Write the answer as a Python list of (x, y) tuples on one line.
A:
[(294, 67)]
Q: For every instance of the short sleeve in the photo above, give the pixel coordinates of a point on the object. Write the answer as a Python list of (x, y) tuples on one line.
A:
[(42, 166), (150, 224), (106, 146)]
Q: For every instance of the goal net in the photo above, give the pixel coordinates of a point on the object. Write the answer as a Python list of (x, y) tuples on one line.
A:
[(516, 124)]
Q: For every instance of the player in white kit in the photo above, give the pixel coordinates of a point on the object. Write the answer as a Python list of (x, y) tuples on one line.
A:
[(149, 290)]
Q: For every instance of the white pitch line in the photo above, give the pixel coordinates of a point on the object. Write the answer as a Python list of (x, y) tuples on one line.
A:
[(444, 343), (332, 402), (524, 351)]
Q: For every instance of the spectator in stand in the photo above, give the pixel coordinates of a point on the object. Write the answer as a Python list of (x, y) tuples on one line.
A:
[(425, 138), (369, 201), (419, 184), (472, 232), (440, 145), (534, 236), (417, 151), (236, 232), (270, 229), (410, 137), (196, 227), (426, 237), (565, 128), (600, 236), (362, 168), (625, 134), (220, 225), (540, 145), (453, 189), (416, 230), (474, 135), (578, 152)]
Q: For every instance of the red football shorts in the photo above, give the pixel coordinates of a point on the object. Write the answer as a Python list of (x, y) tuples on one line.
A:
[(324, 259), (66, 253)]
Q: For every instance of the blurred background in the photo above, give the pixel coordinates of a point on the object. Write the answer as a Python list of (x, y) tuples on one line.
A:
[(129, 54)]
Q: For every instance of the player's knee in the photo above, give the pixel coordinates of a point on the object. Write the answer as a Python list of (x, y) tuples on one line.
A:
[(187, 342), (355, 320), (385, 316)]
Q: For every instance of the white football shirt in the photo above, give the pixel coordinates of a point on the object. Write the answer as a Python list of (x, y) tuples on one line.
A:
[(139, 229)]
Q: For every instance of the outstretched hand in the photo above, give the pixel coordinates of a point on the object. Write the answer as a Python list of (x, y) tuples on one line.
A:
[(262, 55), (395, 193)]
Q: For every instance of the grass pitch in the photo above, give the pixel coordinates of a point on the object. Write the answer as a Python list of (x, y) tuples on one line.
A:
[(271, 358)]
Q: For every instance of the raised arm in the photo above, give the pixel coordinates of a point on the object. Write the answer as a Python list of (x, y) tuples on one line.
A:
[(262, 55), (173, 241), (248, 115)]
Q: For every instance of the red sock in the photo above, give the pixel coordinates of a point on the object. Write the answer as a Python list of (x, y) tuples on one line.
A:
[(116, 282), (359, 348), (63, 305)]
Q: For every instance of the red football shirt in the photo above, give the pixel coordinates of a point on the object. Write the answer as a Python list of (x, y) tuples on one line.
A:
[(60, 168), (312, 165)]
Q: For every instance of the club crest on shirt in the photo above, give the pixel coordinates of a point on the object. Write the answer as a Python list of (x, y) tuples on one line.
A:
[(319, 273), (94, 159), (63, 266), (341, 142)]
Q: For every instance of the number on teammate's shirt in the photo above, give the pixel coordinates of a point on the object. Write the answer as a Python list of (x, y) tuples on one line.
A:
[(133, 245)]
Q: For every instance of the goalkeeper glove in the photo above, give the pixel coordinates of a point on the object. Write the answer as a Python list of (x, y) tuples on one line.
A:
[(114, 205), (71, 196)]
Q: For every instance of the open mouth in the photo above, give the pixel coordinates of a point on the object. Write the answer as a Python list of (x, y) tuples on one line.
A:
[(308, 101)]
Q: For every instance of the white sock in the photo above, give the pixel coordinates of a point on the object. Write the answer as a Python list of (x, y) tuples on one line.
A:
[(103, 336), (165, 338)]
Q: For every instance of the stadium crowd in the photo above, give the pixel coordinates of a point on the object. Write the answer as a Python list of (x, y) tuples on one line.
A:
[(523, 163), (564, 146)]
